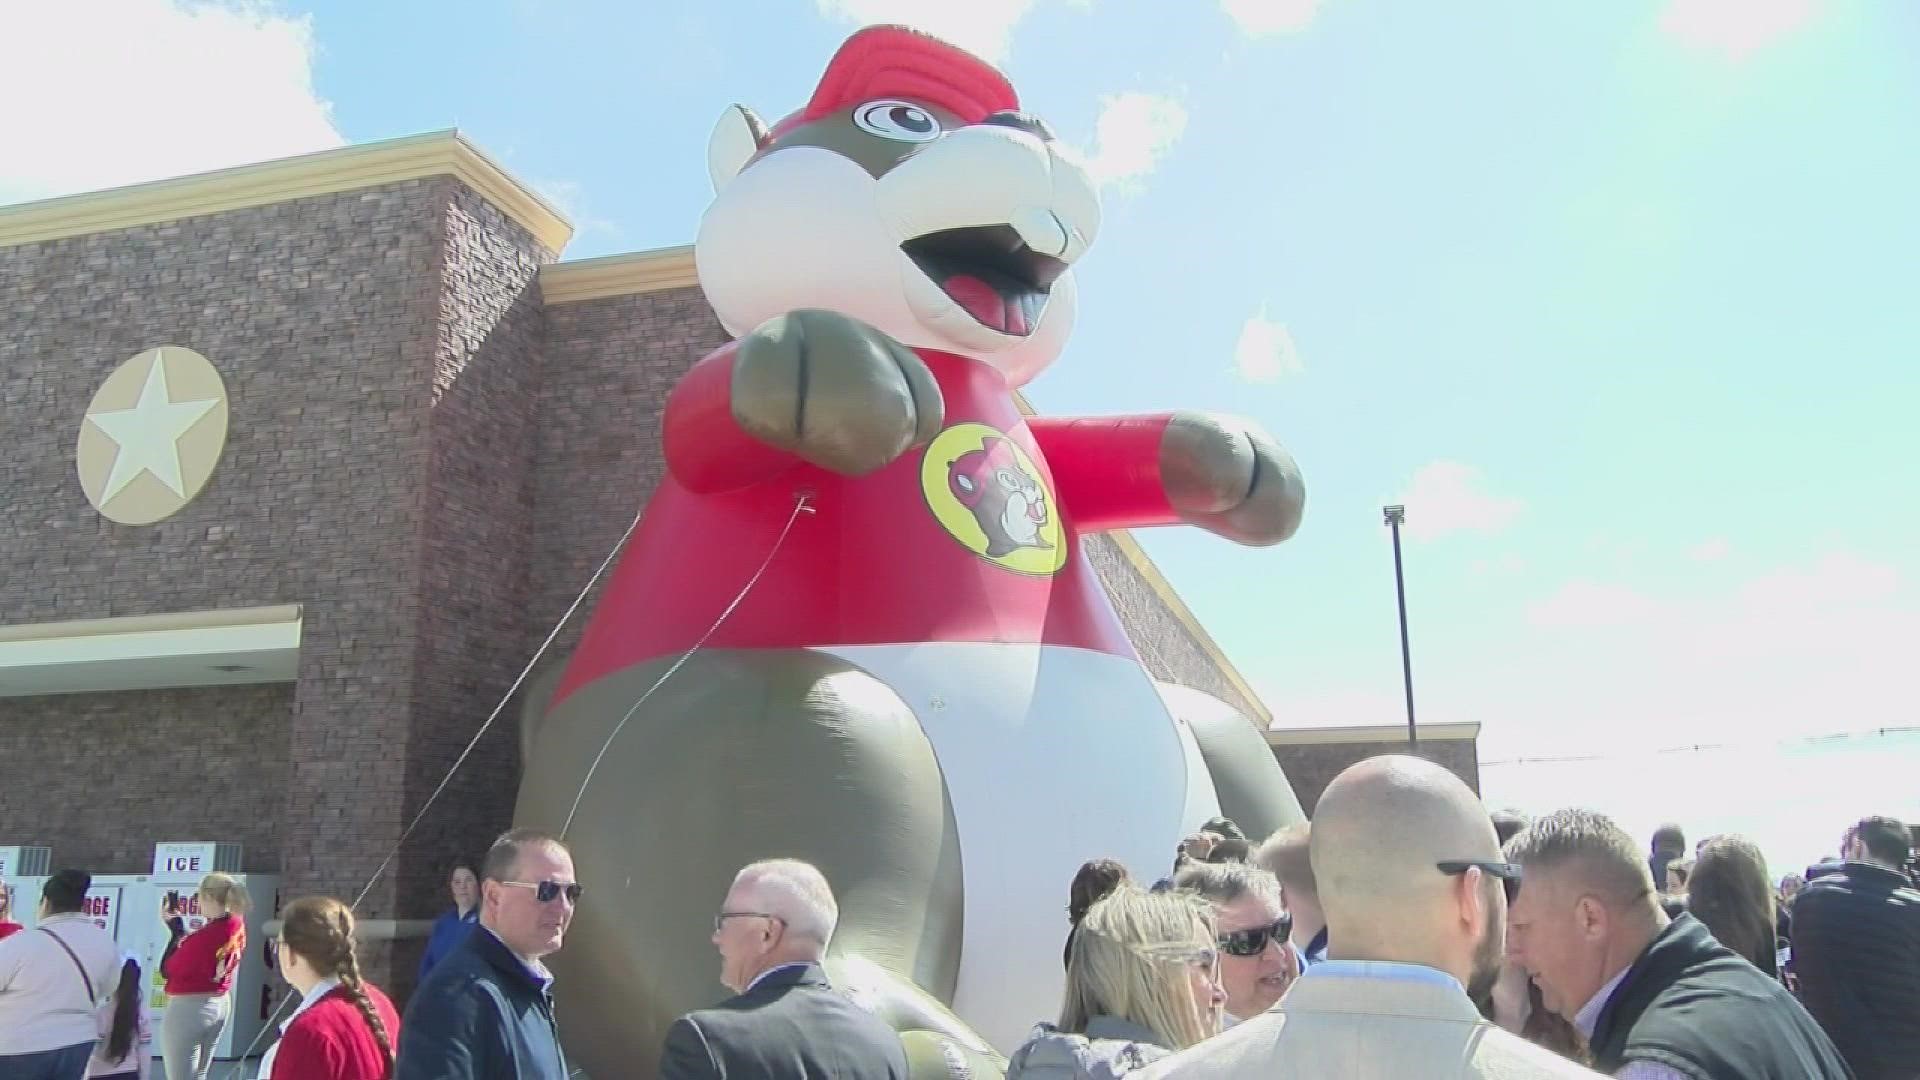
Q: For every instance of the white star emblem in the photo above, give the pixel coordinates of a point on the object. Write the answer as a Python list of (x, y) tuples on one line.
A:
[(148, 434)]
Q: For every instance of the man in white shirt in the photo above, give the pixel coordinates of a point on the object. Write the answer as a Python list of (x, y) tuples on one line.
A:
[(1409, 873), (51, 980)]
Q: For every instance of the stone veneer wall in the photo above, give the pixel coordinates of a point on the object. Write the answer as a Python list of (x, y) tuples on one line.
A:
[(323, 315), (101, 777), (610, 365), (482, 410), (1312, 767)]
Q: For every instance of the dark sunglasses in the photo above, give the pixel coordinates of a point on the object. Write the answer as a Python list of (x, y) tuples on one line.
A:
[(548, 891), (1508, 873), (1253, 940)]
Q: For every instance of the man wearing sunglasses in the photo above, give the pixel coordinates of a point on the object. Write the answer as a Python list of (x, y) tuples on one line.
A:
[(1256, 963), (1409, 873), (486, 1011)]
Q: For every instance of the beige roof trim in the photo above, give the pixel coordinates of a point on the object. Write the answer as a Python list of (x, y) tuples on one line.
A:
[(619, 275), (440, 153), (1131, 551), (1371, 733), (145, 624)]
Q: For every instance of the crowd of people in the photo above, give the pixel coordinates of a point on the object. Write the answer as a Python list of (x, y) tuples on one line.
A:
[(1405, 932)]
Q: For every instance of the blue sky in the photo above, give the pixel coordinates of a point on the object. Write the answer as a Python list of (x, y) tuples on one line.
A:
[(1618, 298)]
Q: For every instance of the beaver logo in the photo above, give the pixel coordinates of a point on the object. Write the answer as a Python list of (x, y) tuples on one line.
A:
[(987, 493)]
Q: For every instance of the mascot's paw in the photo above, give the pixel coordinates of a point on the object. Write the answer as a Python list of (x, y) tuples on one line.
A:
[(1229, 477), (833, 391)]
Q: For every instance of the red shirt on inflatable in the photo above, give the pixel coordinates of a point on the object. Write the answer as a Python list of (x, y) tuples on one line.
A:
[(961, 540)]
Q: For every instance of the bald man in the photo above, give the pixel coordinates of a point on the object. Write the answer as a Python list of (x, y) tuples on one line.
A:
[(1410, 873)]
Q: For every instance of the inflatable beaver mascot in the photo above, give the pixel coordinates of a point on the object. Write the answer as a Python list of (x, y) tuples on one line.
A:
[(925, 692)]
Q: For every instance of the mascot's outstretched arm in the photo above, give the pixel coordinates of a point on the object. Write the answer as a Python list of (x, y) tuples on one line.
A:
[(1220, 473), (813, 386)]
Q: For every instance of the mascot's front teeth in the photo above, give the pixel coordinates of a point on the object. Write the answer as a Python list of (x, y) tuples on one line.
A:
[(1042, 231)]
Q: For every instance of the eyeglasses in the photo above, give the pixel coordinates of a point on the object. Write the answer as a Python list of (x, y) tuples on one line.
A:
[(1508, 873), (1253, 940), (548, 891), (720, 919)]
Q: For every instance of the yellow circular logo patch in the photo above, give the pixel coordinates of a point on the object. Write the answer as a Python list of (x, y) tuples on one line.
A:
[(152, 435), (987, 494)]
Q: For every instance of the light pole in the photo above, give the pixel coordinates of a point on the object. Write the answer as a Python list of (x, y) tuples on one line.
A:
[(1395, 515)]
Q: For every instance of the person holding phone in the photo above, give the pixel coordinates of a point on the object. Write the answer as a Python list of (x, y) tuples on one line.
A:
[(7, 926), (199, 969)]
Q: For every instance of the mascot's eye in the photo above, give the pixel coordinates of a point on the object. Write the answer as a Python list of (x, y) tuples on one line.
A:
[(897, 120), (1009, 479)]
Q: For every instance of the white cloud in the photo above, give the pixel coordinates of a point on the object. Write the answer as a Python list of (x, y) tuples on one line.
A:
[(982, 27), (1508, 565), (1737, 28), (1134, 131), (1447, 497), (1803, 648), (1265, 351), (108, 92), (570, 198), (1295, 709), (1260, 17), (1710, 550), (1622, 674), (1582, 603)]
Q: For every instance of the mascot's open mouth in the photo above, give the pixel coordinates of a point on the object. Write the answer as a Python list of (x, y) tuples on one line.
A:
[(991, 272)]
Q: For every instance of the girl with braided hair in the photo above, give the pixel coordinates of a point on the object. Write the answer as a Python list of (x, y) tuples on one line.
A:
[(344, 1028)]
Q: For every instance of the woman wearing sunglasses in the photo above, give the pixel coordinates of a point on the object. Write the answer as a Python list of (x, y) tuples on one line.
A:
[(1142, 983)]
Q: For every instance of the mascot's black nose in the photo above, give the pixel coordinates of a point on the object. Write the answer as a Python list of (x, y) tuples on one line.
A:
[(1020, 121)]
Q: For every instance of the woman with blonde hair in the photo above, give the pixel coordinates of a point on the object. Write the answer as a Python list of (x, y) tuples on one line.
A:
[(199, 968), (1143, 981), (344, 1027), (1729, 891)]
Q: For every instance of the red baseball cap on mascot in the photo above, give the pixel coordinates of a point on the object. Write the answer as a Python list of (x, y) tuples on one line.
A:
[(900, 62)]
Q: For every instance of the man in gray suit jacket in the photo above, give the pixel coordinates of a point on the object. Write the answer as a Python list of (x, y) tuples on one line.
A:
[(786, 1022), (1410, 876)]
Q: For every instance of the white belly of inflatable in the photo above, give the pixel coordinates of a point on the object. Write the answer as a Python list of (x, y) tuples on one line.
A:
[(1051, 756)]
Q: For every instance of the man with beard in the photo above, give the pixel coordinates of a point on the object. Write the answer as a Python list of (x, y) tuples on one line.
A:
[(1410, 874)]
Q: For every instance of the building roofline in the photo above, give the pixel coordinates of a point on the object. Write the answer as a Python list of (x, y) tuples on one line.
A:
[(1371, 733), (632, 273), (326, 172)]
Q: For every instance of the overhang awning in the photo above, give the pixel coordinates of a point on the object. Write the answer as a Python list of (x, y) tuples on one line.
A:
[(231, 647)]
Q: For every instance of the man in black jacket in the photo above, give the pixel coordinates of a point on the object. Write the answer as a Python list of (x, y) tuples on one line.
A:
[(1657, 998), (1856, 950), (786, 1021), (486, 1011)]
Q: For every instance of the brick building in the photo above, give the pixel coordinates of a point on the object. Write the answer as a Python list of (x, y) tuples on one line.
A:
[(403, 435), (1312, 757)]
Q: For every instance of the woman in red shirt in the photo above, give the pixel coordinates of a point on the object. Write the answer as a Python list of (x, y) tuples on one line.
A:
[(199, 969), (345, 1028), (7, 925)]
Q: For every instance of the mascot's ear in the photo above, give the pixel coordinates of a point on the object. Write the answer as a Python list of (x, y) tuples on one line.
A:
[(737, 137)]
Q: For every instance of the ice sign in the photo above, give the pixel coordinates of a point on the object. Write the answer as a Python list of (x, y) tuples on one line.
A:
[(183, 859)]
